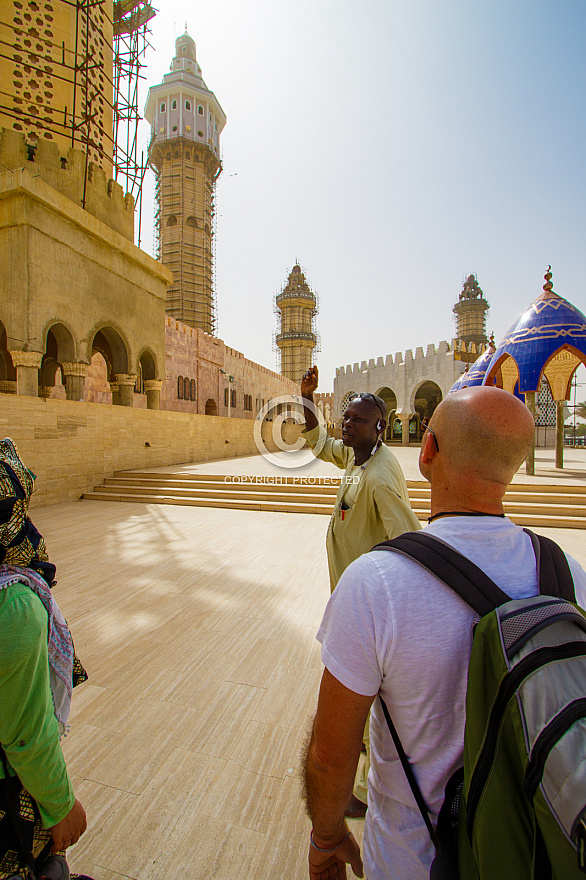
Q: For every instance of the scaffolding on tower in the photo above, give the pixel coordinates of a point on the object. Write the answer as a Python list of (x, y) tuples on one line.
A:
[(130, 42)]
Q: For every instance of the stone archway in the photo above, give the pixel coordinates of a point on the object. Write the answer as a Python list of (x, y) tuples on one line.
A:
[(147, 381), (426, 398), (110, 344), (211, 408), (59, 365), (390, 398)]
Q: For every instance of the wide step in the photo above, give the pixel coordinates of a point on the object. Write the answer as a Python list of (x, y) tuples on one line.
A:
[(548, 506)]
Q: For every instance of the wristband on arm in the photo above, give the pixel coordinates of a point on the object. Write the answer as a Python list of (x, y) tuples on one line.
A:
[(321, 849)]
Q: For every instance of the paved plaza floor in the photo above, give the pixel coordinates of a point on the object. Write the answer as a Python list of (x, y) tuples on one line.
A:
[(197, 627)]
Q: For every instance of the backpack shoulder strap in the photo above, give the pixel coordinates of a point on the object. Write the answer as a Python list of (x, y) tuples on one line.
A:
[(455, 570), (408, 770), (555, 577)]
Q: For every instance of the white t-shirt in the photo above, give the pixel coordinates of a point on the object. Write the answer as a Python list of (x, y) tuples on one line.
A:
[(392, 626)]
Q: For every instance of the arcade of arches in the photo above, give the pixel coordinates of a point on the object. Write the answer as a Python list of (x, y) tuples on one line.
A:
[(402, 427), (101, 370), (58, 371)]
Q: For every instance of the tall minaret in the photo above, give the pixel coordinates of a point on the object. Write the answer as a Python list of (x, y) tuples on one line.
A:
[(470, 312), (186, 120), (296, 308)]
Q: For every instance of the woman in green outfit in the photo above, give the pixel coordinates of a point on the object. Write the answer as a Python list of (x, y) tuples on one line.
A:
[(39, 814)]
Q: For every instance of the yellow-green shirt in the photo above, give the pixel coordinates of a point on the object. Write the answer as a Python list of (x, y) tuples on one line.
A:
[(29, 731), (377, 498)]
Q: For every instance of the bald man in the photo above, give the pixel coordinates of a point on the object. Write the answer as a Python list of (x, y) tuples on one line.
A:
[(394, 628)]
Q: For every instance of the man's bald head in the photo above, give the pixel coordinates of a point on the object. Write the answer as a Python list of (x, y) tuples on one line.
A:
[(484, 432)]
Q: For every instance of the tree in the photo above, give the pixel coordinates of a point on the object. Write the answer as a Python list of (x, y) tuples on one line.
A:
[(581, 410)]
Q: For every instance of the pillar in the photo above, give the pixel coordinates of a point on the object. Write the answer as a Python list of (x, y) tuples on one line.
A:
[(404, 427), (530, 460), (126, 385), (559, 433), (152, 388), (74, 380), (27, 364), (115, 391)]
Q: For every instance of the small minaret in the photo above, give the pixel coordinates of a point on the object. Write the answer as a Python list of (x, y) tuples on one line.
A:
[(470, 312), (296, 307), (186, 120)]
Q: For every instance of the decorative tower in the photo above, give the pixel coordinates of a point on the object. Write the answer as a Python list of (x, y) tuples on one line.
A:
[(470, 312), (296, 307), (186, 120)]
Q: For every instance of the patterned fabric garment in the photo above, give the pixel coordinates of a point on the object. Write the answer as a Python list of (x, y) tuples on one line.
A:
[(34, 835), (60, 643), (20, 542)]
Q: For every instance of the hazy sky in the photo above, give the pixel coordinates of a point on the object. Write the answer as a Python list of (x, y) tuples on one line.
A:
[(392, 148)]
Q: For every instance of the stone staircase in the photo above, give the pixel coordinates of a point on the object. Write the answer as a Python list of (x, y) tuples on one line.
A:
[(548, 506)]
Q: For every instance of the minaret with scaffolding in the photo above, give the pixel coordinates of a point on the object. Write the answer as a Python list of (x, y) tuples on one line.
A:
[(186, 121), (471, 311), (297, 341)]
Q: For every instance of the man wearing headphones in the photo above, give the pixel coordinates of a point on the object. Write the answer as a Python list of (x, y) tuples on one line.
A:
[(372, 504)]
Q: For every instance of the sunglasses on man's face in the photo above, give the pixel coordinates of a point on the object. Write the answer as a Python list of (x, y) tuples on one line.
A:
[(434, 437)]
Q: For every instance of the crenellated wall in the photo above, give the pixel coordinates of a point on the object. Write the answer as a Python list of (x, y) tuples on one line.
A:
[(65, 171), (399, 378)]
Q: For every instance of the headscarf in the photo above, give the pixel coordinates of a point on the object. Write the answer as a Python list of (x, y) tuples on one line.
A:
[(24, 560), (20, 542)]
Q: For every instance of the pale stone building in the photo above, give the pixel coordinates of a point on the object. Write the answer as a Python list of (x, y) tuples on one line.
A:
[(82, 309), (186, 122)]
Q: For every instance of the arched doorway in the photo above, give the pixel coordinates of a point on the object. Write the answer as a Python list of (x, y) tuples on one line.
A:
[(113, 349), (425, 400), (390, 398), (211, 408), (59, 349), (145, 373), (109, 343)]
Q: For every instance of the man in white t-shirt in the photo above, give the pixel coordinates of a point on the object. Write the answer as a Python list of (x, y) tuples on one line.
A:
[(394, 628)]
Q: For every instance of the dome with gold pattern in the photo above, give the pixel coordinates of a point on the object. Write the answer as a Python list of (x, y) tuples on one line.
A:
[(548, 338)]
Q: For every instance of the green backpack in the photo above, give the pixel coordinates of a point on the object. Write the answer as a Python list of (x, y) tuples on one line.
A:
[(517, 809)]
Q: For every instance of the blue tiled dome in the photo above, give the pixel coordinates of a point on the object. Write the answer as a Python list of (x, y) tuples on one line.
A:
[(475, 374), (458, 383), (548, 324)]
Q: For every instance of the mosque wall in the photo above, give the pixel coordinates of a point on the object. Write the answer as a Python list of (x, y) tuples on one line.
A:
[(197, 356), (64, 169), (66, 269), (72, 446), (404, 374)]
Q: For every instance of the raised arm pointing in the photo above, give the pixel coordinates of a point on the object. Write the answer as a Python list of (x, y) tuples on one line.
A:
[(308, 386)]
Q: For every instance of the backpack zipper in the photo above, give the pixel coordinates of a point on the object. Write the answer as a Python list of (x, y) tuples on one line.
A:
[(547, 739), (507, 689)]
